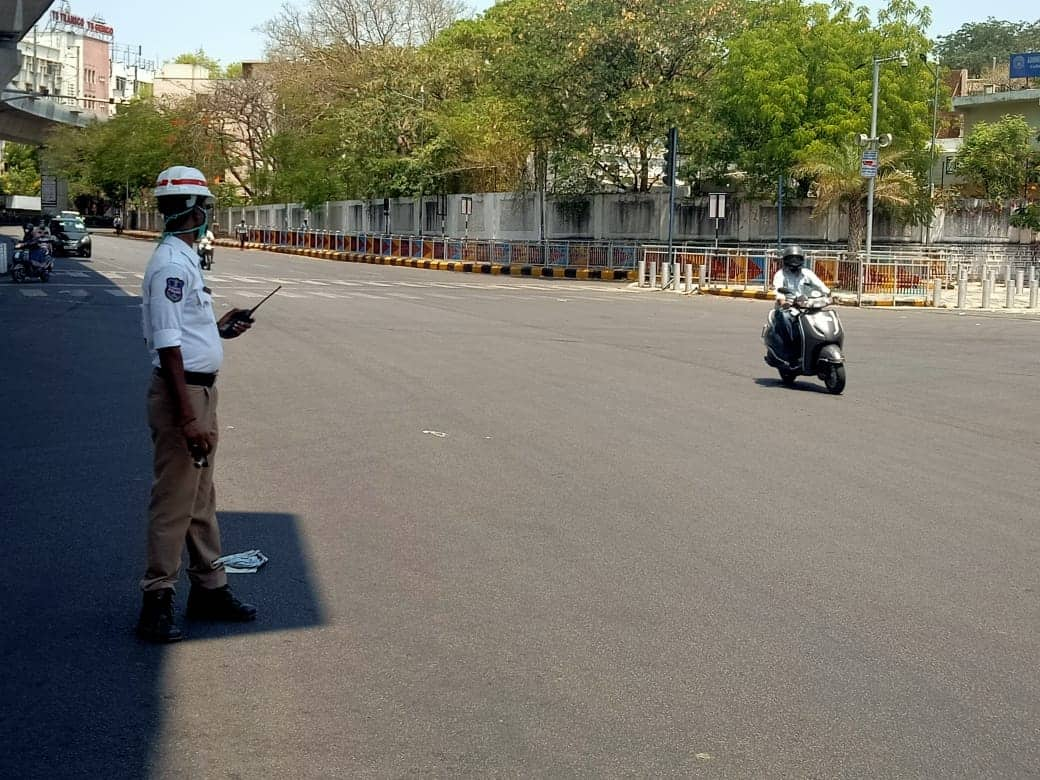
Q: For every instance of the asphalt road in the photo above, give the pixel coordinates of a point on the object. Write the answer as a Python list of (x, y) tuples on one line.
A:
[(525, 528)]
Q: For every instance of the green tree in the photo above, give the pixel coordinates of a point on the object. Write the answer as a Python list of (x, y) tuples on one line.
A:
[(21, 171), (599, 82), (838, 183), (108, 159), (977, 45), (800, 76), (997, 157)]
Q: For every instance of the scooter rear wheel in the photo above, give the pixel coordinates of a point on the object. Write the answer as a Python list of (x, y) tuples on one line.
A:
[(788, 377), (17, 273), (835, 379)]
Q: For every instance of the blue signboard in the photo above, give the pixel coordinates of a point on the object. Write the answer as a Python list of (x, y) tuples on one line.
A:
[(1026, 65)]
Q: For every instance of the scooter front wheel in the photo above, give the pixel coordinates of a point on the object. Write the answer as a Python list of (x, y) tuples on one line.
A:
[(835, 379), (788, 377)]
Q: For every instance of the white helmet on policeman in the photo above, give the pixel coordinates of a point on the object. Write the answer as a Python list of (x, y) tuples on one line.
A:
[(179, 191)]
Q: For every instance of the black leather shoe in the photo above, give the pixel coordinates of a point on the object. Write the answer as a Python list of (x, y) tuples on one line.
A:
[(157, 623), (218, 604)]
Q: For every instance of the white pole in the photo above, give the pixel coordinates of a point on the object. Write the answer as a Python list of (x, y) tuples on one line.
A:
[(870, 183)]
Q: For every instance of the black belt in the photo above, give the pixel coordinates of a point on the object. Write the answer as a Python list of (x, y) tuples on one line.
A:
[(196, 378)]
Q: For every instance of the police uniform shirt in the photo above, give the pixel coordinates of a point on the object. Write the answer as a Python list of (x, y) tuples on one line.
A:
[(177, 309)]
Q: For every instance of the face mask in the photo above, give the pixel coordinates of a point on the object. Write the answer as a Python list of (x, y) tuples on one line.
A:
[(200, 231), (204, 227)]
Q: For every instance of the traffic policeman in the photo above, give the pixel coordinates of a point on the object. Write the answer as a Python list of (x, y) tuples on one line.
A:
[(184, 338)]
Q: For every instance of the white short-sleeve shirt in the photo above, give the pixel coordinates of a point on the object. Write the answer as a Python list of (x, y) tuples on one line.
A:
[(801, 282), (177, 309)]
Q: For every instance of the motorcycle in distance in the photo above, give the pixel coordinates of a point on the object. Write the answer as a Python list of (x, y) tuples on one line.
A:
[(32, 259), (820, 337), (205, 250)]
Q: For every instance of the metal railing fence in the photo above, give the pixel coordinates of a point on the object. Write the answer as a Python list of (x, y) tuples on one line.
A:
[(574, 254)]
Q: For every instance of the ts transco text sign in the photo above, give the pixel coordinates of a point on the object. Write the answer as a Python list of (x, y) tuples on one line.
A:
[(1024, 66), (95, 27)]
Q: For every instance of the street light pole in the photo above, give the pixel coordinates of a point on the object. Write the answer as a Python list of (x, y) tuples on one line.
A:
[(874, 142), (931, 149), (870, 182)]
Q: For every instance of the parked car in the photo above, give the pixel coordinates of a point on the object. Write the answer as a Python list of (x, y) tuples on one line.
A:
[(71, 236)]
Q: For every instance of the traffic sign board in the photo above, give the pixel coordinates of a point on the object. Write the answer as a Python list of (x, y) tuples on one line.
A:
[(868, 164)]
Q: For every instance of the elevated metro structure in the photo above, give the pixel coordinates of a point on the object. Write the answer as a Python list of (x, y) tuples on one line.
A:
[(26, 117)]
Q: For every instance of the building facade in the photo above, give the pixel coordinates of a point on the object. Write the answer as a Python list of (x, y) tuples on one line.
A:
[(74, 61)]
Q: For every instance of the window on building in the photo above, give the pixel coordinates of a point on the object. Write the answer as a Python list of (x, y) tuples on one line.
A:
[(120, 84)]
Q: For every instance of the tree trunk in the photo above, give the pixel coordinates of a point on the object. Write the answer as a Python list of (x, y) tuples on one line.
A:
[(857, 228), (643, 185)]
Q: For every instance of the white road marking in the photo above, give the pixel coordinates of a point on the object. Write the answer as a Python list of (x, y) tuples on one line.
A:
[(373, 297), (118, 292), (33, 293), (334, 296), (406, 296), (314, 281), (74, 293)]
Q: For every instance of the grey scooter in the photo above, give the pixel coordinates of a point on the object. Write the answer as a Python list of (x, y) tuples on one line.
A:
[(820, 337)]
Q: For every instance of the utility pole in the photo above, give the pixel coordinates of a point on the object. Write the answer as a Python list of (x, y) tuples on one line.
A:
[(671, 165), (931, 147), (873, 144)]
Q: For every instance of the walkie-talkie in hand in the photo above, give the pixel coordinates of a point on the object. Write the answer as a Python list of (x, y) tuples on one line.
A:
[(244, 316)]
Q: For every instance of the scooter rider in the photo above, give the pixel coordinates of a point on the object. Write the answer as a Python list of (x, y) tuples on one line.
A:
[(799, 281)]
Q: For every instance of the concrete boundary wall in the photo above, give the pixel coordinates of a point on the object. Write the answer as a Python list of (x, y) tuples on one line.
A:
[(632, 217)]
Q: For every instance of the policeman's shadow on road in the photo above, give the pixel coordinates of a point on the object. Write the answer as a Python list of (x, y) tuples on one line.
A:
[(281, 589), (82, 697)]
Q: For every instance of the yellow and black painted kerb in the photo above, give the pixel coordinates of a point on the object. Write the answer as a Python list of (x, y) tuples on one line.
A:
[(460, 266)]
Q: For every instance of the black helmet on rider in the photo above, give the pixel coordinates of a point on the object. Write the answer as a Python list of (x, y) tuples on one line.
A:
[(792, 257)]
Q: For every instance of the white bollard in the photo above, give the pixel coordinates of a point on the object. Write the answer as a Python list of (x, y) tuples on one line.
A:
[(664, 275), (1009, 294), (678, 277), (987, 290), (702, 276), (642, 273), (689, 277), (653, 274), (1034, 289), (936, 292), (962, 289), (1020, 281)]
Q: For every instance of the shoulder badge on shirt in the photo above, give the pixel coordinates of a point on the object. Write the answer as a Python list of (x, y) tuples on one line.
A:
[(174, 289)]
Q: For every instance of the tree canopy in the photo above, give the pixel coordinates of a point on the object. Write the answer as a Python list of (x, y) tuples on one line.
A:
[(374, 98), (998, 158), (979, 45)]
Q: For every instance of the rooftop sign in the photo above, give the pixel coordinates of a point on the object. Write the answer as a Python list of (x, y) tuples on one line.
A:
[(95, 28), (1025, 65)]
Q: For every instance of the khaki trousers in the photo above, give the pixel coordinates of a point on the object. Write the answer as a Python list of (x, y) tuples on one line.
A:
[(183, 509)]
